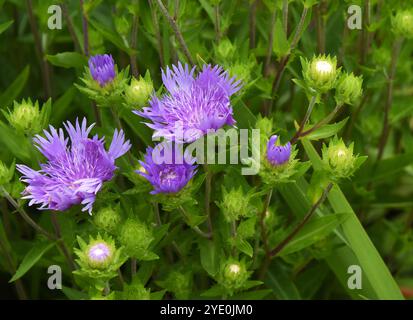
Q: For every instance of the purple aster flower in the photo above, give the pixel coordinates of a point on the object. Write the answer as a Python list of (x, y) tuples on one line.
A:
[(99, 252), (102, 68), (167, 169), (73, 174), (193, 105), (277, 154)]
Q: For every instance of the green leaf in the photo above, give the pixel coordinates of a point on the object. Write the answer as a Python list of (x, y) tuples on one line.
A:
[(244, 246), (315, 230), (209, 256), (111, 36), (31, 258), (281, 283), (13, 91), (4, 26), (67, 60), (370, 261), (327, 130), (252, 295), (281, 46)]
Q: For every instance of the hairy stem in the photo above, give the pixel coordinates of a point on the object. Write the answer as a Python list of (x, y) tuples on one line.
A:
[(203, 234), (306, 118), (284, 61), (270, 44), (208, 185), (157, 33), (45, 68), (285, 17), (70, 27), (176, 30), (252, 23), (307, 217), (326, 120), (389, 98), (134, 34), (61, 243)]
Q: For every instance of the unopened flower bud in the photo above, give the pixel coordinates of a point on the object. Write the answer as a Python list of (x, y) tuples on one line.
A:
[(102, 69), (139, 91), (235, 204), (25, 117), (135, 237), (320, 72), (339, 158), (108, 219), (349, 89), (234, 274), (403, 23)]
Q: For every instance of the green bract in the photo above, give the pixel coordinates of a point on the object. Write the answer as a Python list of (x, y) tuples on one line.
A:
[(139, 91), (136, 238)]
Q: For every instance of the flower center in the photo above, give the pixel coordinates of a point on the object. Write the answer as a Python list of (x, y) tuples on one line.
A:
[(168, 175), (99, 252), (323, 66), (234, 268)]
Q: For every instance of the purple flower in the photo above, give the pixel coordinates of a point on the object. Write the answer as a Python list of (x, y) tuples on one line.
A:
[(73, 174), (99, 252), (193, 105), (166, 168), (277, 154), (102, 68)]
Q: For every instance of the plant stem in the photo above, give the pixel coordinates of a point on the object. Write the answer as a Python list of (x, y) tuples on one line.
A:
[(176, 30), (133, 266), (326, 120), (365, 37), (286, 58), (195, 228), (217, 23), (285, 17), (252, 23), (61, 243), (25, 216), (20, 290), (85, 29), (39, 50), (270, 43), (306, 117), (70, 27), (264, 234), (157, 33), (320, 27), (307, 217), (134, 66), (208, 185), (389, 99)]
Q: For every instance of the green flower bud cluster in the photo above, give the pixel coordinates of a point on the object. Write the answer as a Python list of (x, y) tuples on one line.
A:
[(108, 219), (349, 88), (234, 204), (320, 73), (99, 260), (402, 23), (26, 116), (138, 92), (233, 275), (136, 238), (339, 159), (6, 174)]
